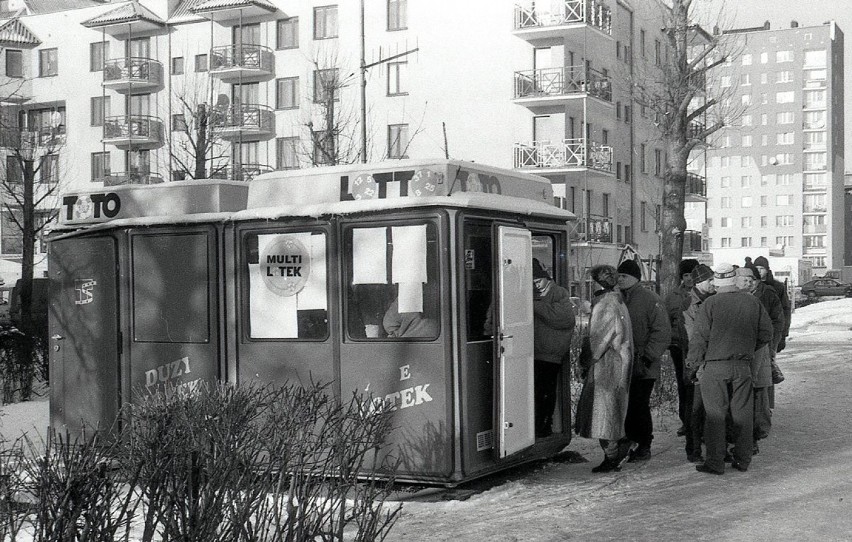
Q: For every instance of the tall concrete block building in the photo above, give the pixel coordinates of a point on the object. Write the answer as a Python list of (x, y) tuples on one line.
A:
[(776, 176), (117, 91)]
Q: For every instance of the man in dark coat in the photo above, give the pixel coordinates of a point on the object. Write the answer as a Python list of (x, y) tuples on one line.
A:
[(762, 265), (702, 277), (729, 328), (676, 302), (651, 337)]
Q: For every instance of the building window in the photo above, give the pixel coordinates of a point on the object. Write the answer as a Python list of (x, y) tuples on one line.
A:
[(397, 14), (785, 97), (747, 141), (177, 65), (287, 33), (725, 81), (745, 80), (658, 162), (724, 222), (815, 99), (324, 148), (325, 22), (201, 63), (605, 205), (745, 181), (745, 222), (643, 210), (785, 117), (397, 78), (48, 62), (326, 85), (100, 166), (814, 120), (745, 202), (49, 168), (100, 110), (785, 76), (287, 93), (642, 42), (14, 63), (179, 123), (726, 202), (98, 55), (746, 60), (783, 199), (725, 182), (658, 53), (286, 153), (784, 179), (726, 242), (784, 138), (745, 241), (643, 165), (815, 161), (397, 141), (783, 56), (815, 59)]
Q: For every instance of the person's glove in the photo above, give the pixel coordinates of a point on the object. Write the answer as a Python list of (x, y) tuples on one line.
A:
[(781, 345)]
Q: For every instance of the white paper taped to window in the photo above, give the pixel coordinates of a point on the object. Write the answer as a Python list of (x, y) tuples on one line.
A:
[(369, 256), (410, 297), (271, 316), (409, 253), (314, 296)]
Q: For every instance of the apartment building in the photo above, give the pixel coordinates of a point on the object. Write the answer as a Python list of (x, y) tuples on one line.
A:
[(776, 175), (116, 92)]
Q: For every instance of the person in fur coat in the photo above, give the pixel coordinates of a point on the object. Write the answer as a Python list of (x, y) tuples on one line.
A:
[(603, 401)]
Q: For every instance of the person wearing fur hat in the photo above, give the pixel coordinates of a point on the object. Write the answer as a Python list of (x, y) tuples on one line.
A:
[(729, 328), (703, 287), (676, 302), (762, 265), (651, 337), (602, 407)]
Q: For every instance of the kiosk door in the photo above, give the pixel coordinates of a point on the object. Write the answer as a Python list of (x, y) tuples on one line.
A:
[(515, 407), (84, 364)]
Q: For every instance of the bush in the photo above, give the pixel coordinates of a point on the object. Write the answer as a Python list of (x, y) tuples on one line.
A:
[(22, 360), (215, 463)]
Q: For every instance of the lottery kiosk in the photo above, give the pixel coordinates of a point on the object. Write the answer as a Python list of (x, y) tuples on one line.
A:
[(409, 282)]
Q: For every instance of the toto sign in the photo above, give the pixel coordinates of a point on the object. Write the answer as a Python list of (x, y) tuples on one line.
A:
[(285, 265)]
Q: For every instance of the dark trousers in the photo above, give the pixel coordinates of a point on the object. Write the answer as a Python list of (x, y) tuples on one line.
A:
[(546, 377), (684, 405), (638, 425), (695, 420), (762, 413), (726, 389)]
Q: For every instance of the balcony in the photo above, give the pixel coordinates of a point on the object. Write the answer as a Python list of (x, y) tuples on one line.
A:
[(133, 75), (243, 172), (696, 188), (534, 21), (563, 156), (695, 129), (594, 229), (46, 138), (551, 86), (131, 177), (137, 131), (814, 208), (814, 228), (242, 62), (250, 122), (692, 242)]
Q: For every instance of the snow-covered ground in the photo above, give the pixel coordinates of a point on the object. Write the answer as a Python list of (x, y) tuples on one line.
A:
[(798, 488)]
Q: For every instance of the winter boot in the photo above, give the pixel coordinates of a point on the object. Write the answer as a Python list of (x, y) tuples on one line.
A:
[(608, 465)]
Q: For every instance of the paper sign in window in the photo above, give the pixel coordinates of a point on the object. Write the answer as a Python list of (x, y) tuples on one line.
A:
[(271, 316), (409, 253), (314, 296), (410, 297), (369, 256)]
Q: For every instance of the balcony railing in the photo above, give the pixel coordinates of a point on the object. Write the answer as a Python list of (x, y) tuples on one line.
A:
[(249, 122), (133, 130), (242, 172), (564, 81), (814, 228), (241, 61), (13, 138), (564, 12), (695, 129), (594, 228), (565, 154), (692, 241), (133, 74), (814, 208), (130, 177), (695, 186)]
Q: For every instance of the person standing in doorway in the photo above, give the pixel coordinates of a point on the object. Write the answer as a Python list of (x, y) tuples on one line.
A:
[(651, 337)]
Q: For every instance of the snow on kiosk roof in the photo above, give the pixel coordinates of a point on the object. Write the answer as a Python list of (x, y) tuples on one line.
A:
[(410, 281)]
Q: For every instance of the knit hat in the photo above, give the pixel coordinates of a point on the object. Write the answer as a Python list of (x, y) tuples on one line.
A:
[(686, 266), (630, 267), (760, 261), (605, 275), (538, 270), (724, 275), (701, 273)]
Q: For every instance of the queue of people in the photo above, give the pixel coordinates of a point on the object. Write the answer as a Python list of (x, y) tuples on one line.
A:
[(723, 328)]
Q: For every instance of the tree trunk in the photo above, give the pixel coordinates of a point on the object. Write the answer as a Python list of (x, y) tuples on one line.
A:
[(28, 250), (201, 123), (673, 223)]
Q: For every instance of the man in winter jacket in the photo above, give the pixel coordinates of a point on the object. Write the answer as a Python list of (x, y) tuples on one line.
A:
[(702, 277), (651, 337), (676, 302), (553, 323), (762, 265), (729, 328)]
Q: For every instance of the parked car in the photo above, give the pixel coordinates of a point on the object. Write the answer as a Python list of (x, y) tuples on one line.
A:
[(824, 287)]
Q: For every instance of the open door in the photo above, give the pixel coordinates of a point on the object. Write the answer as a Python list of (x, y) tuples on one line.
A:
[(515, 405)]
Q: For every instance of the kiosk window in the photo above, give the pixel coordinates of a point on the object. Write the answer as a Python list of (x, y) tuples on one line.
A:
[(171, 280), (393, 289), (287, 285), (477, 279)]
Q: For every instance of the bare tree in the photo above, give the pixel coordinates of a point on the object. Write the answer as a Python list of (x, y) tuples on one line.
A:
[(687, 111), (334, 141), (29, 184), (195, 150)]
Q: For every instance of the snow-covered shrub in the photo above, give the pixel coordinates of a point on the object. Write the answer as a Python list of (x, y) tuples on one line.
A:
[(20, 360)]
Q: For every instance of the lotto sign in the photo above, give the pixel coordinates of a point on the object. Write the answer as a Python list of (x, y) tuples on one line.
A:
[(424, 183), (285, 266), (365, 187)]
